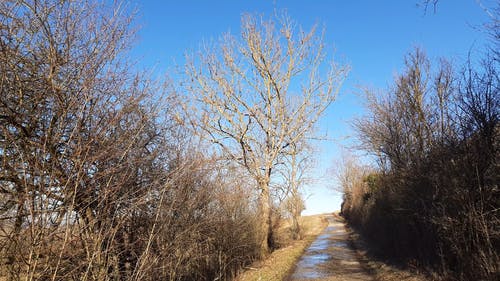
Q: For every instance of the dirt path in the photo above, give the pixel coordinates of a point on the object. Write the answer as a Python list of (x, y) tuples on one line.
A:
[(329, 258)]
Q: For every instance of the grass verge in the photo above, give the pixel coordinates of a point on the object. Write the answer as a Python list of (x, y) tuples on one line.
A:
[(281, 262)]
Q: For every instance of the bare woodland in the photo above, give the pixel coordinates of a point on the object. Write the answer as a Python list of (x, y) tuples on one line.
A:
[(107, 174), (100, 180), (433, 200)]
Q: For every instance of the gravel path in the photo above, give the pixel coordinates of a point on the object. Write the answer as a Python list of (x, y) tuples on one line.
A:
[(329, 258)]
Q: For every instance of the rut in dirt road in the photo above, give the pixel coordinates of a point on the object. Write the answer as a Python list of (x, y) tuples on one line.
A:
[(329, 257)]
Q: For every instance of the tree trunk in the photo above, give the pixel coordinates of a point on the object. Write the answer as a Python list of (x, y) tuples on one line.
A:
[(295, 222), (296, 200), (266, 231)]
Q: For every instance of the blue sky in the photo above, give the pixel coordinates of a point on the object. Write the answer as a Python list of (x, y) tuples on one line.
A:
[(372, 36)]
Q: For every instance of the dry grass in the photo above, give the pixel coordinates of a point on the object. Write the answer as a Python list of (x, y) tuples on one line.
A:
[(280, 263)]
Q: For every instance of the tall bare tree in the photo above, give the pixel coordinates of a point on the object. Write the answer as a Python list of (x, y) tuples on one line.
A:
[(258, 94)]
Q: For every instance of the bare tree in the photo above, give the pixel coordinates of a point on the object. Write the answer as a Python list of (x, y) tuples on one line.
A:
[(403, 123), (80, 148), (295, 175), (437, 135), (259, 94), (351, 178)]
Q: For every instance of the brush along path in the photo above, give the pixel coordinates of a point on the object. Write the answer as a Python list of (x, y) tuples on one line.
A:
[(330, 258)]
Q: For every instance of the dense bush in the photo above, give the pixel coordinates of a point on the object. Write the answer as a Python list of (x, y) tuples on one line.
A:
[(97, 181), (435, 200)]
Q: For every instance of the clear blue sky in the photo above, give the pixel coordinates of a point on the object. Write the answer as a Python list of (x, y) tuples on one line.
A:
[(372, 36)]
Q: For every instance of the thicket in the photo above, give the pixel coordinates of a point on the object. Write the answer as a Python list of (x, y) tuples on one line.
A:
[(97, 181), (101, 178), (434, 200)]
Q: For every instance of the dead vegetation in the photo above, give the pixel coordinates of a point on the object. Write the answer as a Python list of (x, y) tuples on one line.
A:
[(433, 202), (99, 177), (97, 181)]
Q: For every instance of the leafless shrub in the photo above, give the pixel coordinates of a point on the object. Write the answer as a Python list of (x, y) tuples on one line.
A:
[(78, 138), (96, 179), (205, 229), (435, 201)]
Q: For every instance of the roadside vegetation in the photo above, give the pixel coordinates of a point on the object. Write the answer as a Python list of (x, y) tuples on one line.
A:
[(106, 174), (432, 202)]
